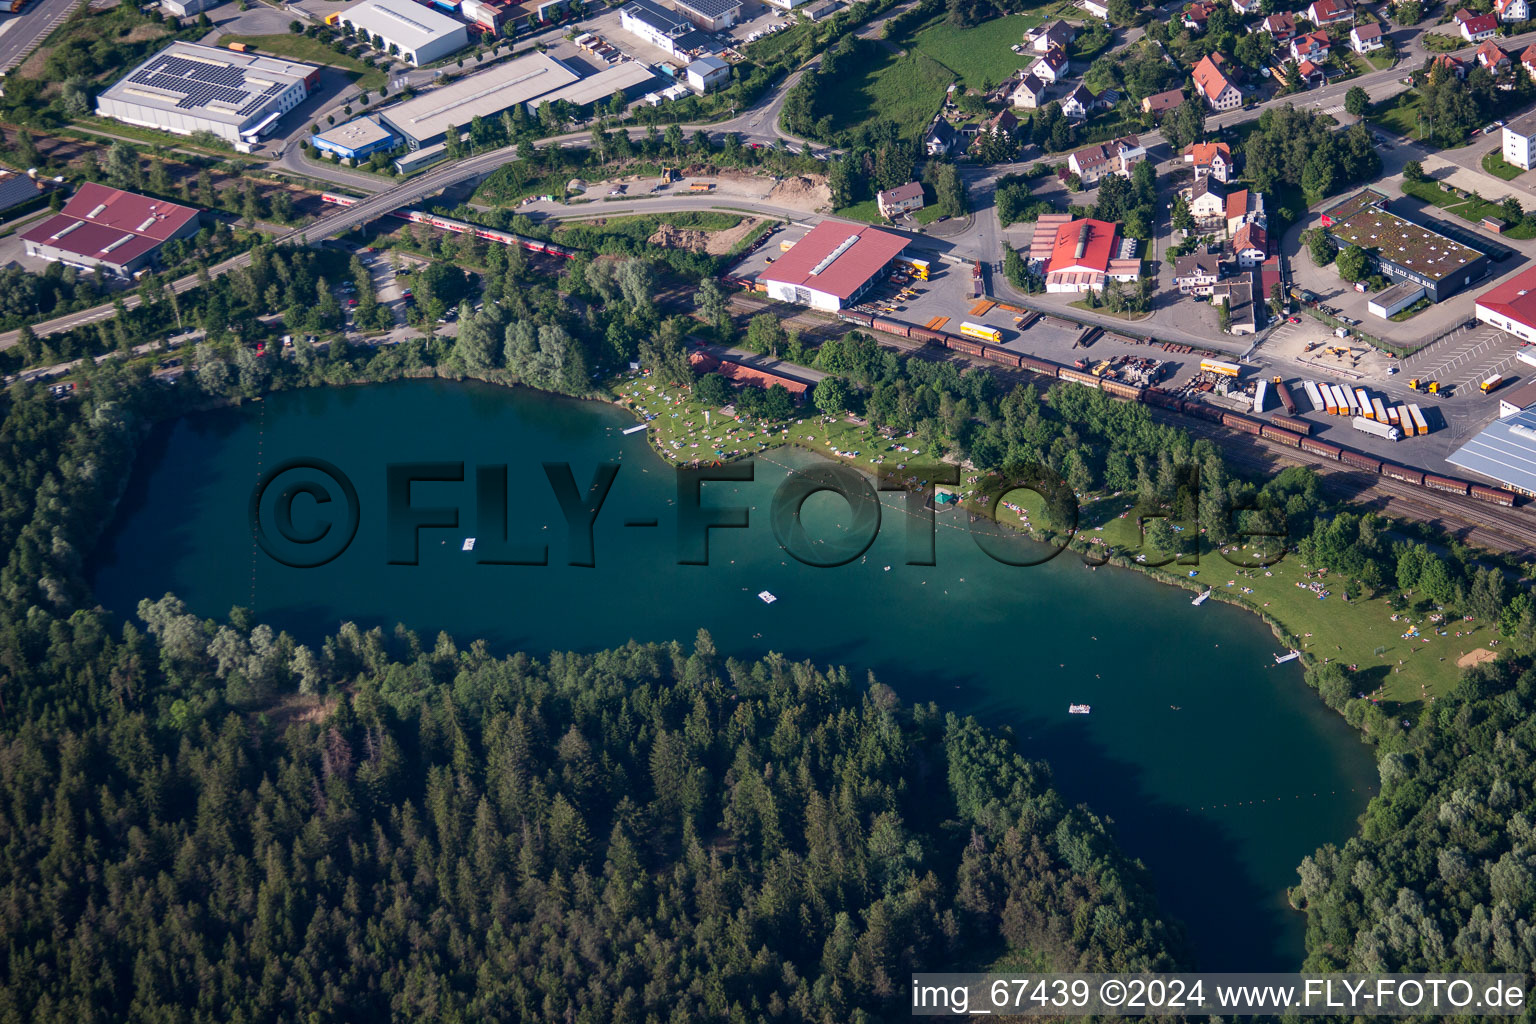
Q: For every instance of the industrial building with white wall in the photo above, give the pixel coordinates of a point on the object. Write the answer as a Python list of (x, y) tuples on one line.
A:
[(425, 119), (833, 265), (417, 33), (188, 88)]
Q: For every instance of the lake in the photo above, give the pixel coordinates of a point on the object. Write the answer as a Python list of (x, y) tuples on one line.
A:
[(1220, 769)]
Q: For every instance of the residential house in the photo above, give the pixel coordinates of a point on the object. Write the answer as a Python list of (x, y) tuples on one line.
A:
[(1029, 94), (1281, 26), (1519, 144), (1511, 11), (941, 138), (1196, 15), (1089, 164), (894, 202), (1052, 67), (1119, 156), (1250, 245), (1310, 74), (1160, 103), (1001, 123), (1207, 199), (1365, 38), (1494, 57), (1448, 63), (1098, 8), (1197, 273), (1242, 310), (1528, 58), (1330, 12), (1055, 35), (1476, 27), (1077, 103), (1313, 46), (1214, 85), (1245, 207), (1245, 7), (1211, 158)]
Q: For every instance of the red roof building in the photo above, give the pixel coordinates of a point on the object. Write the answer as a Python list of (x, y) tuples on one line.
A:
[(1213, 83), (1493, 57), (107, 227), (832, 265), (741, 373), (1511, 306), (1476, 27), (1086, 254)]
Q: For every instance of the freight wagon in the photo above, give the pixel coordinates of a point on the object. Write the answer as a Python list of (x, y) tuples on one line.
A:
[(1201, 411), (928, 334), (1289, 423), (1286, 437), (1323, 448), (1086, 379), (959, 344), (895, 327), (1001, 355), (862, 319), (1038, 365), (1494, 495), (1403, 473), (1129, 392), (1445, 483), (1163, 400), (1243, 423), (1359, 461)]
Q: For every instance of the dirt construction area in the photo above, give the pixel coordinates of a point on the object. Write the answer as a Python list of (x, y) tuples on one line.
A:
[(716, 243)]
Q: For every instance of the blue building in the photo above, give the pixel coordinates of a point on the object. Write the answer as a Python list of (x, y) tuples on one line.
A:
[(356, 140)]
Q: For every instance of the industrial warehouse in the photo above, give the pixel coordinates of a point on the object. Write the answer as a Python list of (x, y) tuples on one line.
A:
[(1511, 306), (1404, 251), (832, 265), (425, 120), (120, 232), (417, 33), (188, 88), (1504, 450)]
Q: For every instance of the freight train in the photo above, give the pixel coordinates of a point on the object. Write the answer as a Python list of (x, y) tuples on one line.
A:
[(460, 227), (1286, 431)]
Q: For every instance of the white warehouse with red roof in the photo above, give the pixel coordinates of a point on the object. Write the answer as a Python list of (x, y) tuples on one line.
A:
[(834, 264), (1511, 306), (107, 227)]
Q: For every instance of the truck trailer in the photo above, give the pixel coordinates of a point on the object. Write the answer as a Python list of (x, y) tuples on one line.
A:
[(1375, 428)]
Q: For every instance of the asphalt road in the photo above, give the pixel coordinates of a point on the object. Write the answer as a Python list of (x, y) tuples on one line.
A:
[(19, 33)]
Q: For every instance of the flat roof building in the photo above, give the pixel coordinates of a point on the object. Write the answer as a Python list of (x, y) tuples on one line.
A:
[(417, 33), (710, 15), (627, 76), (425, 119), (1403, 250), (1504, 450), (107, 227), (188, 88), (356, 140), (832, 265), (664, 29)]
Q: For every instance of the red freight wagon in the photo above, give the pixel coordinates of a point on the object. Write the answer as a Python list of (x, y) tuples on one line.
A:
[(1323, 448), (1445, 483), (1412, 476), (1243, 423), (1038, 365), (1492, 494), (1288, 437), (1301, 427), (1359, 461)]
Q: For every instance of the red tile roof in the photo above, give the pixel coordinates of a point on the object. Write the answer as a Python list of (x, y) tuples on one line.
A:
[(870, 250), (743, 374), (1237, 204), (1515, 298), (1250, 236), (1480, 24), (1209, 78), (108, 225), (1098, 241), (1205, 152), (1491, 54)]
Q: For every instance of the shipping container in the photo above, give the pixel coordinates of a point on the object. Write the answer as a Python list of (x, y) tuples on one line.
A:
[(1445, 483), (1287, 437), (1216, 366), (1359, 460), (1292, 423), (981, 332), (1392, 418), (1494, 495), (1420, 424), (1243, 423), (1396, 472), (1378, 411), (1323, 448), (1038, 365), (1315, 396)]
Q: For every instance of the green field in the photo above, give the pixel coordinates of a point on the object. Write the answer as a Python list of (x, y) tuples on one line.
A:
[(908, 90), (979, 55), (868, 211), (313, 51), (1495, 164), (1473, 210)]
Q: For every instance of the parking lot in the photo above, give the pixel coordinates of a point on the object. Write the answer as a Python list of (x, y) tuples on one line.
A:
[(1465, 358)]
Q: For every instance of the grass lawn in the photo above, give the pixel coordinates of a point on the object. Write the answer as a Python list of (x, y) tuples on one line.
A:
[(641, 226), (1381, 59), (927, 215), (1400, 114), (1495, 164), (980, 54), (1473, 210), (315, 52), (868, 211), (1411, 312), (1080, 304), (1442, 42), (908, 90)]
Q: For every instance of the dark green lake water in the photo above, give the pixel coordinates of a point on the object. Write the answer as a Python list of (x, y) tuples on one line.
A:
[(1221, 798)]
